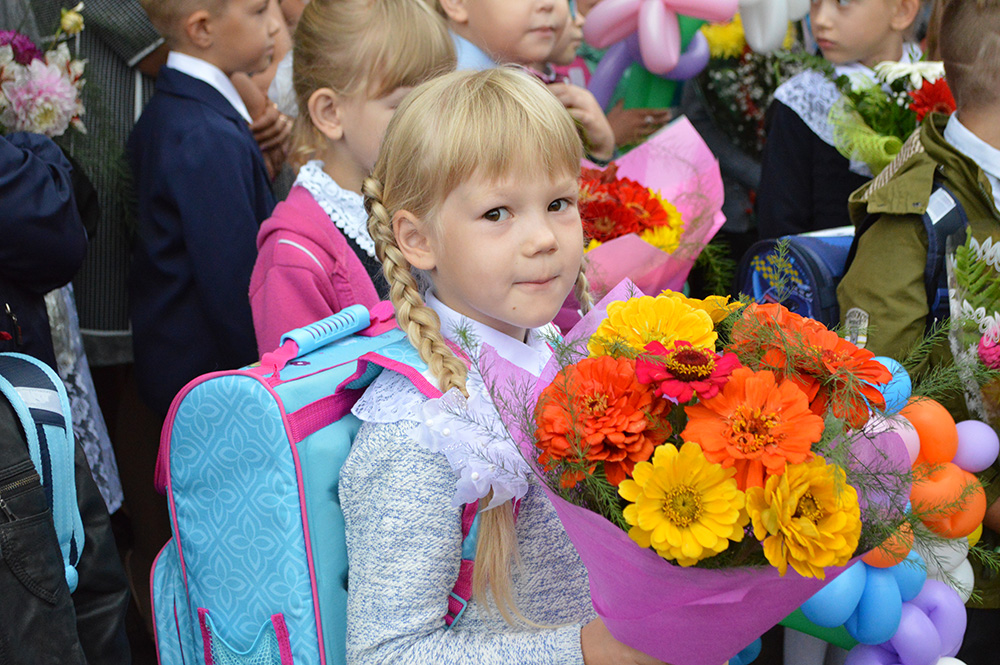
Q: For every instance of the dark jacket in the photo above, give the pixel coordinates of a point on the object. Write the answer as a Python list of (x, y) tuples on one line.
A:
[(884, 286), (41, 623), (42, 241), (805, 182), (203, 191)]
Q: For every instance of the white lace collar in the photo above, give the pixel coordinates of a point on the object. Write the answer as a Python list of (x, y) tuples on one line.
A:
[(346, 209), (811, 94)]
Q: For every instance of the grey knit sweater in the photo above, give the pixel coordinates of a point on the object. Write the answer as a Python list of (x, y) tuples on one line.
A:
[(404, 548)]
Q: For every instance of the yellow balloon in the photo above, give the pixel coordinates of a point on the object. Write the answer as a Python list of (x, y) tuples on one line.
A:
[(975, 536)]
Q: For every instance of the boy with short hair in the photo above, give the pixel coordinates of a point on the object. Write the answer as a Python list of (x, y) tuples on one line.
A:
[(883, 301), (805, 181), (203, 190)]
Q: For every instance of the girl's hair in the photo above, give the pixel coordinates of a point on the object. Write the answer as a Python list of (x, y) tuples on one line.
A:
[(491, 123), (368, 47)]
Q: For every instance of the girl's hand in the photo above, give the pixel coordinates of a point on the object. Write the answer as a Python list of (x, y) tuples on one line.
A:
[(631, 126), (598, 137), (600, 648)]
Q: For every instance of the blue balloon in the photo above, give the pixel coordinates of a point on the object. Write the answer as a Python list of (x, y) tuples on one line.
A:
[(879, 610), (898, 390), (910, 574), (833, 604), (748, 655)]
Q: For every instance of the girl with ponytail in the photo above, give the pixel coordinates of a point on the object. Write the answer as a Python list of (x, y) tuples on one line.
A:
[(472, 207)]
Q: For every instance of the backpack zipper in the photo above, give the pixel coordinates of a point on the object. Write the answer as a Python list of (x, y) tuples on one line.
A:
[(15, 485)]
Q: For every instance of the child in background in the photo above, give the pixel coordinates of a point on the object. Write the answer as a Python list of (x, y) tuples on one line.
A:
[(203, 191), (525, 32), (476, 189), (805, 182), (354, 62), (886, 310), (564, 59)]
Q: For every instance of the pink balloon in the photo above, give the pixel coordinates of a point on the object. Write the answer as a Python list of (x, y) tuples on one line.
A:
[(611, 21), (659, 37), (905, 430), (916, 640)]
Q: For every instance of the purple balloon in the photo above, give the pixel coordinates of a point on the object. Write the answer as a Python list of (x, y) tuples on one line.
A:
[(916, 640), (944, 607), (867, 654), (978, 446), (621, 55)]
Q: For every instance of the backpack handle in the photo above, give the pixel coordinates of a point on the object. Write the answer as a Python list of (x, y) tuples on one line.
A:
[(336, 326)]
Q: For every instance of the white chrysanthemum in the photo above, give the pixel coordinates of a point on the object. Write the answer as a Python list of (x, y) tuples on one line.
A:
[(918, 72)]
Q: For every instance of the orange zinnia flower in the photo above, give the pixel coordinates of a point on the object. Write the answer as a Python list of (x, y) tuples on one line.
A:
[(834, 373), (597, 411), (757, 424)]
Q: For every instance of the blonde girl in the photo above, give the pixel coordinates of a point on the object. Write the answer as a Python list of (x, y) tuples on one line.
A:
[(353, 62), (474, 194)]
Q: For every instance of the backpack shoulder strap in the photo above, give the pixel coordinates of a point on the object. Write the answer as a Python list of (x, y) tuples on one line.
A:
[(943, 217), (40, 401)]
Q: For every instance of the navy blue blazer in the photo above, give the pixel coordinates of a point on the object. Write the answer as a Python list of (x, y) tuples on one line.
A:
[(203, 191), (42, 240)]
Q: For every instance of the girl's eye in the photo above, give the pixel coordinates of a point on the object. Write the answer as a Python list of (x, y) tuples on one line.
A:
[(558, 205), (497, 214)]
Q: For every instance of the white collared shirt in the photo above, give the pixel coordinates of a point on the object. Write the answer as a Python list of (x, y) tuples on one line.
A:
[(530, 356), (210, 74), (978, 150)]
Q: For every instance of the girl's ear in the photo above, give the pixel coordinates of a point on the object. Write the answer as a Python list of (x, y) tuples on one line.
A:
[(906, 14), (198, 28), (455, 10), (324, 112), (413, 240)]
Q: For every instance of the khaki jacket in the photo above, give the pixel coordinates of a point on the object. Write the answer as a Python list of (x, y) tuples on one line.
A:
[(884, 286)]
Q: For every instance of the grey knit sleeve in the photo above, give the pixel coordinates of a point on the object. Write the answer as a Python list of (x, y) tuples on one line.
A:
[(404, 549)]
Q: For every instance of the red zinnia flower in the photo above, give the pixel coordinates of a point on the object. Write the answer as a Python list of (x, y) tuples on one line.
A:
[(685, 371), (932, 98), (597, 411)]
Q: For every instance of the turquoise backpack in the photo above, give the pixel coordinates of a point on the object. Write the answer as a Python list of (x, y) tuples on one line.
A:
[(256, 571)]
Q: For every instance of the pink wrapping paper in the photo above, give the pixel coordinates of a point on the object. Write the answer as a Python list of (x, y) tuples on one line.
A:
[(677, 163), (683, 616)]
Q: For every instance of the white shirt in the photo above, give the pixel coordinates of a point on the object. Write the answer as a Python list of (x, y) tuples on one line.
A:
[(978, 150), (210, 74)]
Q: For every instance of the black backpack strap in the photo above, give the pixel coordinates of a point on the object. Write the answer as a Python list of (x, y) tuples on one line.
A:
[(944, 216)]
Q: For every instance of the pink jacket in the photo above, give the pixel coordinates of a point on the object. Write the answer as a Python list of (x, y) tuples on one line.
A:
[(305, 270)]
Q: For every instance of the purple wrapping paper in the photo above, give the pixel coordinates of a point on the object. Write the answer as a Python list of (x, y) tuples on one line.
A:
[(684, 616)]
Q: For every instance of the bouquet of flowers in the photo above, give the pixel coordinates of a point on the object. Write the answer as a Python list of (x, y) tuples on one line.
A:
[(873, 120), (40, 92), (714, 464), (974, 294), (738, 84), (649, 215)]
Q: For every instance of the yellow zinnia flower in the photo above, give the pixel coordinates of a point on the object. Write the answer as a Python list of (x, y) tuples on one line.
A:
[(666, 237), (634, 323), (718, 307), (593, 244), (808, 517), (682, 505), (726, 40)]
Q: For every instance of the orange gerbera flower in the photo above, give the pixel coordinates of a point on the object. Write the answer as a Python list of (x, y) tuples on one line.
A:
[(597, 411), (757, 424)]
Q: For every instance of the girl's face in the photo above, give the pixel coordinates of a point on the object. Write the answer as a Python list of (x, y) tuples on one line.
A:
[(506, 253), (363, 123), (564, 52), (865, 31)]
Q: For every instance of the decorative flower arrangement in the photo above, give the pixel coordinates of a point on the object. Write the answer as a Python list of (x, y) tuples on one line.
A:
[(974, 294), (739, 83), (41, 92), (704, 456), (874, 120)]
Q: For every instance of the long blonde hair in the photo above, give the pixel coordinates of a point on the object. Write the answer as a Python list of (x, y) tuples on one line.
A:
[(368, 47), (493, 123)]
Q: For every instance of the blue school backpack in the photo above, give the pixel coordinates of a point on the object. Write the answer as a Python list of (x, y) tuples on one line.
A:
[(806, 280), (40, 402), (256, 571)]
